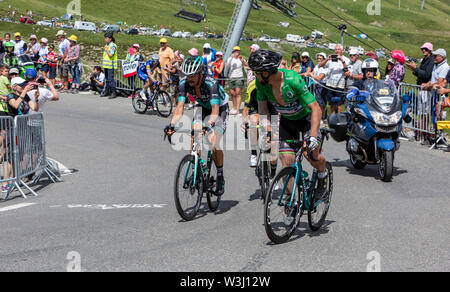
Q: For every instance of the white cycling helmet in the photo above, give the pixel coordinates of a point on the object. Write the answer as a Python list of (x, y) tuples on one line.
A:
[(192, 65), (369, 64)]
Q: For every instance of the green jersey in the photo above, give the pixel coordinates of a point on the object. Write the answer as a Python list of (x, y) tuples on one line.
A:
[(295, 93)]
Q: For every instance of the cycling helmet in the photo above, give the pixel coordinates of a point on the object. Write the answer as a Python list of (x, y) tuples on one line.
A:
[(265, 60), (369, 64), (399, 55), (9, 44), (193, 65)]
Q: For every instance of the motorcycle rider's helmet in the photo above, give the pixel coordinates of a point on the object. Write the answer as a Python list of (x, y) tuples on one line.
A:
[(193, 65), (369, 64)]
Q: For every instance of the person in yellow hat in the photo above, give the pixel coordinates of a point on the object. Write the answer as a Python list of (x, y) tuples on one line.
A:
[(166, 56), (236, 75), (73, 59), (20, 47)]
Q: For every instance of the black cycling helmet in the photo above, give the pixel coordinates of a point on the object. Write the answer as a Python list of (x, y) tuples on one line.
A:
[(264, 60)]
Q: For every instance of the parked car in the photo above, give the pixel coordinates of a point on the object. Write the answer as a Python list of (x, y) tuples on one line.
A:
[(145, 30), (132, 31), (311, 45), (165, 32), (199, 35), (380, 53), (265, 38), (317, 34), (47, 23), (306, 37), (219, 36), (186, 34), (111, 28), (83, 25), (68, 26), (177, 34), (210, 36)]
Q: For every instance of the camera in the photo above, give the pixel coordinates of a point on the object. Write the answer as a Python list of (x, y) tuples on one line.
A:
[(41, 80), (334, 58), (411, 59)]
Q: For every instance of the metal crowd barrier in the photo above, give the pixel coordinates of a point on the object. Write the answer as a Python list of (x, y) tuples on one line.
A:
[(23, 145), (423, 109), (126, 84)]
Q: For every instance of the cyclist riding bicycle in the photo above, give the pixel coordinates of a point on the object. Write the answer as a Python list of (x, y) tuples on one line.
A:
[(212, 109), (298, 109), (250, 119), (146, 72)]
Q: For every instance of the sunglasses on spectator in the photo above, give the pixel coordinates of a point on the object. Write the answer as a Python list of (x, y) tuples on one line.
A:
[(353, 55), (371, 70)]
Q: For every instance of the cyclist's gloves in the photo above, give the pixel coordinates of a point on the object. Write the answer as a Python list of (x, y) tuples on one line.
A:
[(155, 83), (314, 143)]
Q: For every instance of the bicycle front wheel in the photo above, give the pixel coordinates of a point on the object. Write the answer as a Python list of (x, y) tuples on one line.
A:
[(163, 103), (139, 104), (320, 208), (187, 191), (281, 213)]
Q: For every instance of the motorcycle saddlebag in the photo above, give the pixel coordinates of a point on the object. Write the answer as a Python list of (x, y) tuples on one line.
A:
[(339, 122)]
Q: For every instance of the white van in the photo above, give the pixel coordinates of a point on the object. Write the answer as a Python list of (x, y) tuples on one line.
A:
[(294, 38), (82, 25), (317, 34)]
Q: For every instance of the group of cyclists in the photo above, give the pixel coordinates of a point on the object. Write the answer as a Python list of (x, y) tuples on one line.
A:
[(276, 92)]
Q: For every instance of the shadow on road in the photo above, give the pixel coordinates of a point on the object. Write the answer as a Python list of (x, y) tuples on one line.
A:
[(255, 196), (368, 171), (204, 210), (304, 230)]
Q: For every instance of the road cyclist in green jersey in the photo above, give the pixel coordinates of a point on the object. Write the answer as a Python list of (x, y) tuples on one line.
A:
[(211, 109), (298, 109)]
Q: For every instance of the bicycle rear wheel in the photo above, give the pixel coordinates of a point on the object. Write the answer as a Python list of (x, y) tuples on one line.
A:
[(139, 104), (317, 216), (211, 198), (187, 195), (163, 103), (280, 215)]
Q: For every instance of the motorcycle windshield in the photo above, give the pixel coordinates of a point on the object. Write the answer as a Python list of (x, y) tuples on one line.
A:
[(383, 95)]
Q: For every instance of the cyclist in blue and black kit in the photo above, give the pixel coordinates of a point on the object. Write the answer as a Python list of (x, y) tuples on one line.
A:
[(212, 109), (145, 73)]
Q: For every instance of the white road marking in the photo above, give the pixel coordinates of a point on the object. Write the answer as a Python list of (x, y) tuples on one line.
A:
[(111, 206), (16, 206)]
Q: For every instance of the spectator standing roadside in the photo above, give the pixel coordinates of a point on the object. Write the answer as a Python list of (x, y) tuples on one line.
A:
[(52, 59), (337, 66), (209, 56), (19, 101), (132, 56), (33, 48), (423, 72), (440, 70), (389, 66), (109, 65), (7, 38), (62, 64), (354, 72), (218, 67), (8, 57), (73, 59), (295, 63), (45, 94), (42, 61), (20, 47), (307, 65), (319, 75), (13, 72), (236, 79), (175, 71), (166, 56), (398, 72)]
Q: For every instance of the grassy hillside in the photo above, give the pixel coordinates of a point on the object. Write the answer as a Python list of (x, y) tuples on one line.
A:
[(405, 28)]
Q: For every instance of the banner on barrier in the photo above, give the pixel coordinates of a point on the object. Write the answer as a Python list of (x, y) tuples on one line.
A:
[(129, 68)]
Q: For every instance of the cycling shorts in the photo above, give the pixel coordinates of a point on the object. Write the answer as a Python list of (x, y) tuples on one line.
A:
[(290, 130), (201, 113)]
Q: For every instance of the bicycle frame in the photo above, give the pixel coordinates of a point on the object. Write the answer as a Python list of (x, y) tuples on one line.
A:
[(195, 152), (306, 190)]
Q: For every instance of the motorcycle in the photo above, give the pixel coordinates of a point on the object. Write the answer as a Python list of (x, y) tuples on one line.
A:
[(372, 125)]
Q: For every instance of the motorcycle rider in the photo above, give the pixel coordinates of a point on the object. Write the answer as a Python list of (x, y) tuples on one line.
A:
[(369, 83)]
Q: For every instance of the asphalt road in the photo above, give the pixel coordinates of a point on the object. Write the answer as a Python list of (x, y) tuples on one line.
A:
[(116, 211)]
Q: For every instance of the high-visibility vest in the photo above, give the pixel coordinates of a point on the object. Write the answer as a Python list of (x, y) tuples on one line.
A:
[(110, 63)]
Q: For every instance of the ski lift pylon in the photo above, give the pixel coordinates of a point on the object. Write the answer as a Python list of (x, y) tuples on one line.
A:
[(193, 10)]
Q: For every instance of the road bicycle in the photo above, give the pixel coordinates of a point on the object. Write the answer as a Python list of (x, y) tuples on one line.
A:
[(195, 178), (159, 100), (292, 193)]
